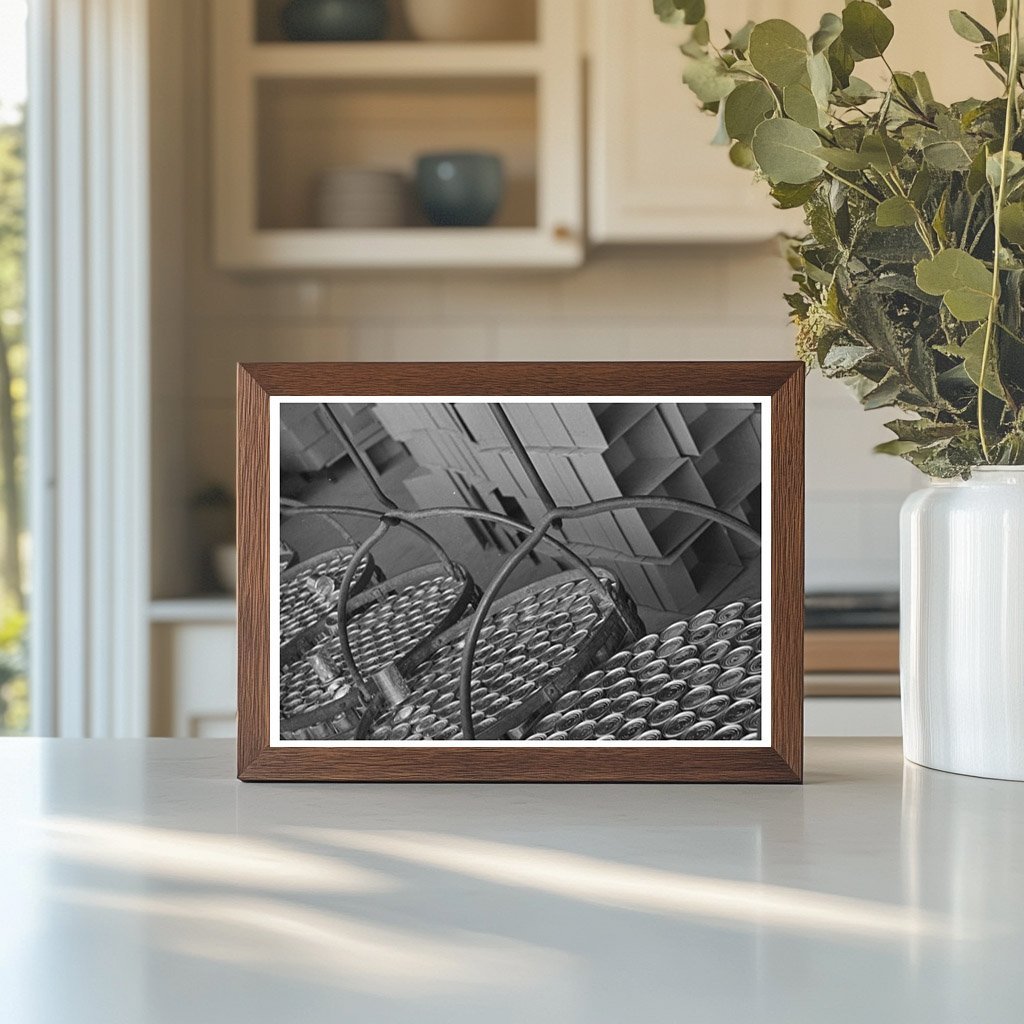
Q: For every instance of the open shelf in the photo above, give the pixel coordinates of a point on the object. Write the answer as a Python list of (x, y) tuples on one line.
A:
[(519, 23), (393, 60), (288, 113), (306, 127), (313, 248)]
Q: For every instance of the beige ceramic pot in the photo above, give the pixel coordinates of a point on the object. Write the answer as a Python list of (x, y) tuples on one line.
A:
[(471, 20)]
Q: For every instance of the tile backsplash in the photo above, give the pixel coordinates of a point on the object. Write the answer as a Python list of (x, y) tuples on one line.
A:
[(701, 303)]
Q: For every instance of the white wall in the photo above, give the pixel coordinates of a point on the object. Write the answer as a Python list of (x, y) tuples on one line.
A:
[(701, 303)]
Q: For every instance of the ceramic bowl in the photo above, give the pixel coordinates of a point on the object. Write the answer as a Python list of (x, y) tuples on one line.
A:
[(460, 189), (357, 197), (334, 20), (471, 20)]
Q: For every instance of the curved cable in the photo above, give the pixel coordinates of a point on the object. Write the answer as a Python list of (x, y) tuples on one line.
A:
[(473, 633)]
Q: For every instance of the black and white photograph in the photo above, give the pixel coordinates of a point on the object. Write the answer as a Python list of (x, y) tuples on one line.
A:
[(479, 570)]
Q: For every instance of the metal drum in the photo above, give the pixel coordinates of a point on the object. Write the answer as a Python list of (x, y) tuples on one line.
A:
[(696, 680), (309, 590), (389, 625), (534, 650)]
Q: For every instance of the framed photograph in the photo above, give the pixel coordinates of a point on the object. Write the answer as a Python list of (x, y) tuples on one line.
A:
[(520, 572)]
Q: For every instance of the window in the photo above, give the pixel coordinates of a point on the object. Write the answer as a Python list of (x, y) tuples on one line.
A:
[(14, 548)]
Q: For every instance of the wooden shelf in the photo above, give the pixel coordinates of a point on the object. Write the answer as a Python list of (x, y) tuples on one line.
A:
[(393, 60), (311, 248), (205, 608), (852, 650)]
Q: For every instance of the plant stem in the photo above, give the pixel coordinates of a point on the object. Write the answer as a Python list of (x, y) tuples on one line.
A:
[(923, 228), (849, 184), (771, 89), (993, 309)]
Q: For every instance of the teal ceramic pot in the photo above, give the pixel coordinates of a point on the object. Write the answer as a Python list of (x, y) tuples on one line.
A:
[(334, 20), (461, 190)]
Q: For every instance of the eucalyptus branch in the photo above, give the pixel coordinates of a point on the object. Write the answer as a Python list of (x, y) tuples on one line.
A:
[(970, 216), (850, 184), (923, 227), (771, 89), (1000, 199), (864, 283), (981, 231)]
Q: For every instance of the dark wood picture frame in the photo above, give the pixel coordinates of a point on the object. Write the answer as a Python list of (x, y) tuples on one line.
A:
[(781, 761)]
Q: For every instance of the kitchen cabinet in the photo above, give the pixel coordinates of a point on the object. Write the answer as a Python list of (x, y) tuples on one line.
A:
[(287, 113), (653, 175), (192, 649)]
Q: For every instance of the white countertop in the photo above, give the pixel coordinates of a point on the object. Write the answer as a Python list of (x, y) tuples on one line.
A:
[(143, 885)]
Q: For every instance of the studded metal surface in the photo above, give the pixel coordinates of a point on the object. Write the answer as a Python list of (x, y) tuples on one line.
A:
[(287, 556), (695, 680), (532, 645), (386, 624), (310, 589)]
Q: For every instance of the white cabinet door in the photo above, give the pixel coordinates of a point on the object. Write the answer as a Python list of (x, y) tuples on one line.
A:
[(653, 175), (194, 679)]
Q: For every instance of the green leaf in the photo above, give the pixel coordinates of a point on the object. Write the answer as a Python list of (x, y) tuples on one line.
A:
[(708, 80), (906, 90), (830, 29), (976, 174), (866, 29), (694, 49), (939, 220), (694, 11), (963, 281), (820, 76), (739, 41), (923, 431), (896, 447), (924, 87), (969, 28), (779, 51), (883, 153), (800, 105), (841, 60), (921, 185), (971, 352), (844, 159), (858, 91), (999, 7), (947, 156), (745, 108), (785, 152), (896, 212), (789, 197), (885, 394), (1014, 169), (676, 12), (741, 155), (1012, 226)]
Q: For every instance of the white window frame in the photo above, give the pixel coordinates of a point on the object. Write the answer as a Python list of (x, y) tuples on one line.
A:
[(89, 330)]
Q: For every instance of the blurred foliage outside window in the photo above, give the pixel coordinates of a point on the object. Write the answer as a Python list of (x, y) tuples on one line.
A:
[(14, 694)]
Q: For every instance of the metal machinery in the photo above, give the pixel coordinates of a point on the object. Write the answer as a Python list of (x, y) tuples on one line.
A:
[(426, 656)]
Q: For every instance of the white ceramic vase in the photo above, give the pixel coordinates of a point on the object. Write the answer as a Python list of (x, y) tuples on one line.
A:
[(962, 624)]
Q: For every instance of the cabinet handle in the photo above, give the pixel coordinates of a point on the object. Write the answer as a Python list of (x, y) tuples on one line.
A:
[(563, 232)]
